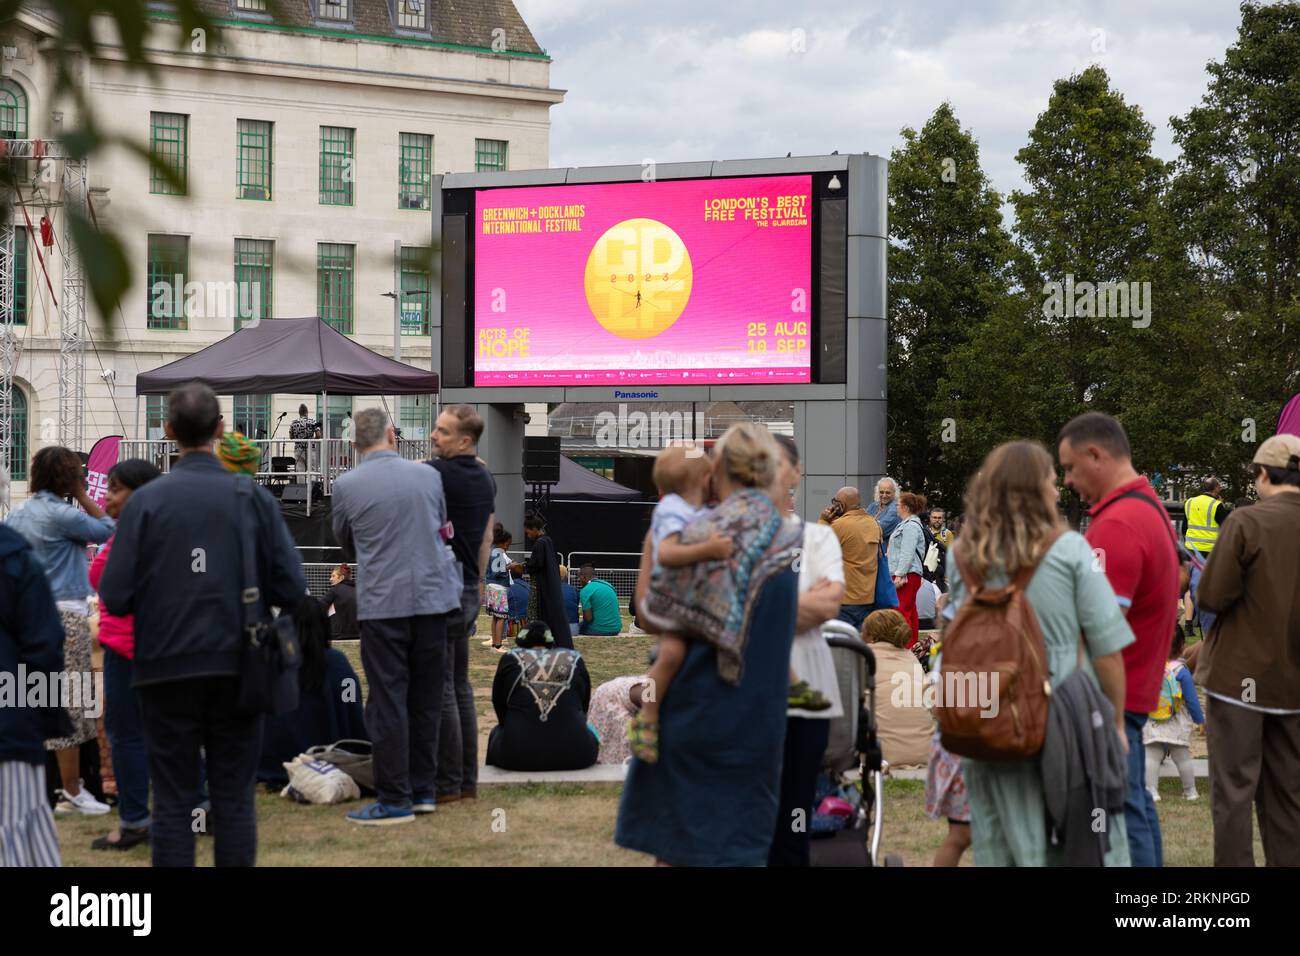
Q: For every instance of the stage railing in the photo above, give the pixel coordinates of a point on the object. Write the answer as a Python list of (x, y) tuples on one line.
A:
[(284, 461)]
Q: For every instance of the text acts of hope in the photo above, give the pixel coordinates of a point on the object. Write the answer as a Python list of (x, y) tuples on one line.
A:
[(496, 344)]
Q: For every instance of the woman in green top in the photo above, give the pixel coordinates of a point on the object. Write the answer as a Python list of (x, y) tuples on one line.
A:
[(1010, 511)]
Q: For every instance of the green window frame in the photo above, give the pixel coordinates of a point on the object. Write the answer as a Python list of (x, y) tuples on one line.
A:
[(155, 417), (335, 263), (337, 165), (253, 415), (417, 278), (415, 416), (490, 155), (20, 275), (13, 111), (254, 160), (169, 257), (414, 171), (169, 143), (18, 436), (340, 407), (254, 261)]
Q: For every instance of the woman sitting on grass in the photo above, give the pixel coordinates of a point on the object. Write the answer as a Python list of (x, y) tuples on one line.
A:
[(540, 694)]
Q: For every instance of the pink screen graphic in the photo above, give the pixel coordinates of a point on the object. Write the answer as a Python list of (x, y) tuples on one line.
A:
[(689, 282)]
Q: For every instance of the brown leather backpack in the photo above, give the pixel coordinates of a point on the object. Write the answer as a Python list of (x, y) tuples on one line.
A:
[(995, 637)]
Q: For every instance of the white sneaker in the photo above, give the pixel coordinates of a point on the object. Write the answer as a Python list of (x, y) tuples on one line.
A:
[(1191, 795), (1155, 796), (83, 802)]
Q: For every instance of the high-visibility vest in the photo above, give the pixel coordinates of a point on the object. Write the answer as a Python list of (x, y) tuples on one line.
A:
[(1202, 529)]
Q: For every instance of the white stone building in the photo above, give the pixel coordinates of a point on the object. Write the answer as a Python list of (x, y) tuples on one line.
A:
[(304, 148)]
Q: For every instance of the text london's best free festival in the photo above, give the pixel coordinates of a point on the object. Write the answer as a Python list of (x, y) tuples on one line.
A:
[(687, 282)]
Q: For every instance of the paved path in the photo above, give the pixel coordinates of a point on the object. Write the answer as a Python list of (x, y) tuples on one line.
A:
[(1167, 769)]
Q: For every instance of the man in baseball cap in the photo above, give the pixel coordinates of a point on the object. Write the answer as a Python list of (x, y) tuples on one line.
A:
[(1250, 665)]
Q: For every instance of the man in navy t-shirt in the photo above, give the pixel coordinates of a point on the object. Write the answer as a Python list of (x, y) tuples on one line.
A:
[(471, 502)]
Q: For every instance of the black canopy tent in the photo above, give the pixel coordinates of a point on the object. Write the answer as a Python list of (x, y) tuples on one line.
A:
[(289, 355), (296, 356), (589, 511)]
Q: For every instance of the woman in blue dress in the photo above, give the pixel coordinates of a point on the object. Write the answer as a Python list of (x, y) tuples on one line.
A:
[(712, 798)]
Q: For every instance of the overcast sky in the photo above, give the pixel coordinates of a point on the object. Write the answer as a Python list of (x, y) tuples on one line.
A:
[(678, 80)]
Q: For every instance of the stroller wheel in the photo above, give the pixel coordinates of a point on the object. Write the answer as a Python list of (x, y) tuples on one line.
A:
[(893, 859)]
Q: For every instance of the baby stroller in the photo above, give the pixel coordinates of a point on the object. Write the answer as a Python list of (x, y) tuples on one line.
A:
[(853, 743)]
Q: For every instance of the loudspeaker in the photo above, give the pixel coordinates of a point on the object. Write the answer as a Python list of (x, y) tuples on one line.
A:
[(541, 460), (294, 494)]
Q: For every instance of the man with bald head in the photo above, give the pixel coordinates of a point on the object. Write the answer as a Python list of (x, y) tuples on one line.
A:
[(859, 537)]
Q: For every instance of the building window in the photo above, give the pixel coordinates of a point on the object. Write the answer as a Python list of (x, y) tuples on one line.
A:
[(253, 259), (340, 408), (412, 14), (155, 417), (13, 111), (414, 171), (415, 416), (18, 436), (169, 145), (253, 6), (334, 9), (253, 172), (490, 155), (336, 165), (169, 266), (253, 415), (20, 275), (334, 284), (417, 280)]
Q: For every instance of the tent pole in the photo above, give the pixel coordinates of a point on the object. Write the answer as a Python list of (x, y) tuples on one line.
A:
[(325, 449)]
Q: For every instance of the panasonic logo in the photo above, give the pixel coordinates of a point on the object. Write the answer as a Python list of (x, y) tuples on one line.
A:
[(618, 394)]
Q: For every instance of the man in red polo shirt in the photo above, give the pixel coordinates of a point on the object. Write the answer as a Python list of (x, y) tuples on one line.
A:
[(1135, 545)]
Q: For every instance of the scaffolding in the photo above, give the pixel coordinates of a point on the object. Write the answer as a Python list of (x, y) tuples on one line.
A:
[(72, 305)]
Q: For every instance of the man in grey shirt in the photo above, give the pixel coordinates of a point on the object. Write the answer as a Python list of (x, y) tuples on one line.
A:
[(390, 513)]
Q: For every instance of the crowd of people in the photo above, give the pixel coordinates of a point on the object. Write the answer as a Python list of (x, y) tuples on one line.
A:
[(724, 735)]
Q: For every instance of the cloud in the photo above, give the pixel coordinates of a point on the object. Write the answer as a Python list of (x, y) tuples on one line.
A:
[(689, 80)]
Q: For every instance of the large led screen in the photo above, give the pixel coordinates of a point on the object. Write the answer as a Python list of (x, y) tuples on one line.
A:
[(687, 282)]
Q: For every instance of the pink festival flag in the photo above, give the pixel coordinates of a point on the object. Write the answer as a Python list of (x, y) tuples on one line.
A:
[(1288, 423), (102, 457)]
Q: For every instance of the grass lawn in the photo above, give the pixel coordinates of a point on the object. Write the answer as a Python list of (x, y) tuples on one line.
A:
[(560, 824)]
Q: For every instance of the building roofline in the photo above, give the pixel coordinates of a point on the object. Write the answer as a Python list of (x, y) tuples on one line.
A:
[(341, 34)]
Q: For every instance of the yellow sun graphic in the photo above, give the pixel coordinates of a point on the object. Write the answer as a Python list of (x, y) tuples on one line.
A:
[(638, 278)]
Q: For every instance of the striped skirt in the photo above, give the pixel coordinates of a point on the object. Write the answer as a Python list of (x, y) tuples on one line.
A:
[(27, 836)]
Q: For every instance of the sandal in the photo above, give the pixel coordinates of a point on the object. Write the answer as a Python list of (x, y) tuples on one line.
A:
[(643, 738), (128, 837)]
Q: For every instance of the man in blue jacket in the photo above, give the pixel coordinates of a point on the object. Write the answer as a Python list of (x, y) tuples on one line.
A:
[(177, 565)]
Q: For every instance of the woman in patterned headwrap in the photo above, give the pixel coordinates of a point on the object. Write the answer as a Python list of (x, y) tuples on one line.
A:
[(540, 695)]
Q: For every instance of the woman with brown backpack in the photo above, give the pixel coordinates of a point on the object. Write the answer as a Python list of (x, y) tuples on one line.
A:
[(1016, 557)]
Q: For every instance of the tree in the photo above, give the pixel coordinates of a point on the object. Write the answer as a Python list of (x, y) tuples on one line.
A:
[(949, 261), (1087, 216), (1235, 200)]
